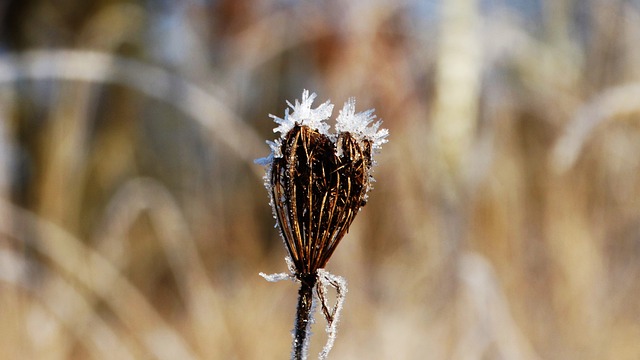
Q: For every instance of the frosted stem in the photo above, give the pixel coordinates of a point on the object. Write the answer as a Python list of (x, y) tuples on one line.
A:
[(302, 330)]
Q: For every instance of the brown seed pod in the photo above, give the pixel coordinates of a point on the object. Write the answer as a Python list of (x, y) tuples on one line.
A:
[(318, 187)]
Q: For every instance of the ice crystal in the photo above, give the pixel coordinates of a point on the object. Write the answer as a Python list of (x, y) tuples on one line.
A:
[(281, 276), (303, 114), (325, 279), (332, 314), (357, 124)]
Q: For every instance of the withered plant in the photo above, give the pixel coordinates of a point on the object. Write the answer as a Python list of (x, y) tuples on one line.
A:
[(317, 183)]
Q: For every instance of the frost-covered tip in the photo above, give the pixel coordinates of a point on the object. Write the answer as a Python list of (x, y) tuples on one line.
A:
[(303, 114), (357, 124), (348, 121)]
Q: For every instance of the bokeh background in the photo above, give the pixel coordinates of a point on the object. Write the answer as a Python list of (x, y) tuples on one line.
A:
[(504, 223)]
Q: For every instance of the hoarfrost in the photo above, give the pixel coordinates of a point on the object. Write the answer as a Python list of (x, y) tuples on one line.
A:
[(325, 279), (276, 151), (303, 114), (277, 277), (357, 124), (332, 314), (282, 276), (264, 161)]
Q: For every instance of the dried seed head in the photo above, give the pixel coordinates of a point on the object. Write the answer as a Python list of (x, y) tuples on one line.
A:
[(319, 181)]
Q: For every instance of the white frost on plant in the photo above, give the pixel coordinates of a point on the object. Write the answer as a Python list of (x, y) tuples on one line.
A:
[(302, 114), (276, 151), (282, 276), (307, 341), (277, 277), (325, 279), (357, 124)]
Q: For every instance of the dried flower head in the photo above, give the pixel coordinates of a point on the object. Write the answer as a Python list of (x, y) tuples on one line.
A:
[(317, 183)]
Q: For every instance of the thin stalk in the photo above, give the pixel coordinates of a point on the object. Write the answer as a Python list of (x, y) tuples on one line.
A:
[(303, 317)]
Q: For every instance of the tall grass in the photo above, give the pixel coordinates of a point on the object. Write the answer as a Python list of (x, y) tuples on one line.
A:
[(505, 221)]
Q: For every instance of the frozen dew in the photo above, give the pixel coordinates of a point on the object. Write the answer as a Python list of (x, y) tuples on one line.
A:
[(281, 276), (277, 277), (264, 161), (325, 279), (357, 124), (275, 147), (332, 314), (303, 114)]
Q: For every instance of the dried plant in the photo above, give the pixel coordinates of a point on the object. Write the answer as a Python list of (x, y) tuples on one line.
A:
[(317, 182)]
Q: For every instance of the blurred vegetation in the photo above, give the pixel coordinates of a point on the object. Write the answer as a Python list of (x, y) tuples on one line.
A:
[(504, 224)]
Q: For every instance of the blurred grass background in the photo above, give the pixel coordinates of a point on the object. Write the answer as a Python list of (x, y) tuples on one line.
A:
[(504, 223)]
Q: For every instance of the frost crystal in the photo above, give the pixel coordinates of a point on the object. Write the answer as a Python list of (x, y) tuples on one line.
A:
[(325, 279), (281, 276), (358, 125), (348, 121), (303, 114), (332, 314)]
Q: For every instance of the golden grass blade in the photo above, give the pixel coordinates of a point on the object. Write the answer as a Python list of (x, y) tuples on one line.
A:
[(153, 81), (98, 336), (92, 271)]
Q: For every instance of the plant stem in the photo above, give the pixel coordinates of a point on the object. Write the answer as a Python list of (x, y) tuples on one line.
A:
[(303, 317)]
